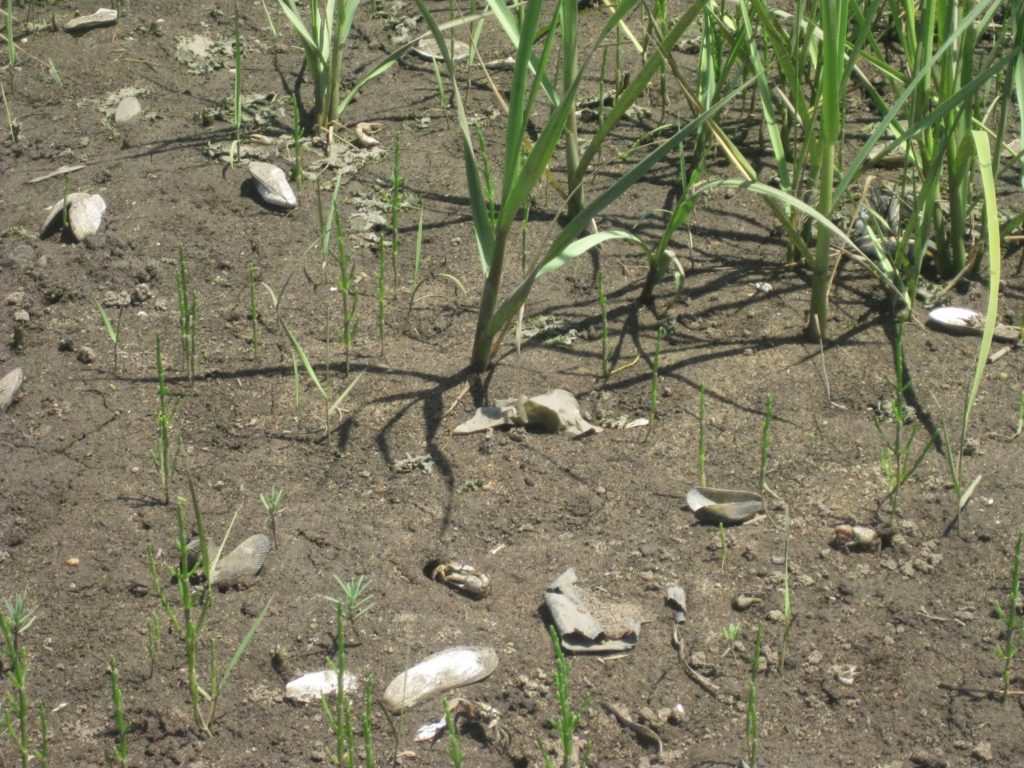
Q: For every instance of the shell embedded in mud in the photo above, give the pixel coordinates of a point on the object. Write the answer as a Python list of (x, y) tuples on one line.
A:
[(85, 215), (244, 562), (440, 672), (428, 49), (272, 185)]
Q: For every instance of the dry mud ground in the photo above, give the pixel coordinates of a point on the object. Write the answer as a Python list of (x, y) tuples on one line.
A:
[(80, 501)]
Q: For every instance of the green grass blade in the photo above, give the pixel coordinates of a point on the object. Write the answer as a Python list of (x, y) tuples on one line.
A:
[(341, 398), (301, 354)]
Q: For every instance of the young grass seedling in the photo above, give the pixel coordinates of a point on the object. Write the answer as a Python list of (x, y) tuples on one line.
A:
[(355, 600), (602, 301), (766, 443), (339, 715), (382, 301), (652, 400), (395, 200), (732, 635), (152, 640), (453, 752), (417, 255), (236, 95), (723, 543), (253, 313), (568, 719), (12, 56), (113, 330), (120, 753), (15, 618), (186, 317), (195, 607), (1013, 622), (297, 133), (701, 457), (787, 600), (162, 456), (753, 723), (272, 501)]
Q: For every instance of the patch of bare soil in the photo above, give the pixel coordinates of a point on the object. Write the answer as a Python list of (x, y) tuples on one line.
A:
[(891, 656)]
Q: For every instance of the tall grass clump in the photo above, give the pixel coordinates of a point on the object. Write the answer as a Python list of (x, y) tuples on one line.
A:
[(323, 45), (526, 162)]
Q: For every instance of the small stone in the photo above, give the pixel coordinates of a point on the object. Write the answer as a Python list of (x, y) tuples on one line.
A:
[(21, 316), (775, 616), (86, 355), (982, 751), (17, 299), (141, 293), (10, 385), (128, 112), (72, 562)]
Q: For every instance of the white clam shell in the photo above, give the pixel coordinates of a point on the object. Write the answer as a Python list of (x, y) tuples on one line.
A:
[(9, 387), (719, 505), (244, 562), (272, 185), (85, 214), (441, 672), (957, 318), (315, 685)]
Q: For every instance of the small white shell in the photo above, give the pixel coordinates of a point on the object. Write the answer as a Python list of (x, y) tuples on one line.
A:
[(272, 185), (244, 562), (957, 319), (364, 134), (102, 17), (315, 685), (440, 672), (9, 387)]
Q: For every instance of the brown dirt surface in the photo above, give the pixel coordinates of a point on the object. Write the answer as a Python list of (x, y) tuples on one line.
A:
[(891, 655)]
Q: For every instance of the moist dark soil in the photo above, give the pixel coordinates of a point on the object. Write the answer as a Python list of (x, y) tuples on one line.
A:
[(891, 655)]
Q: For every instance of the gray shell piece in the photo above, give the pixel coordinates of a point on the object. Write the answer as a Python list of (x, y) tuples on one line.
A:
[(243, 562), (102, 17), (9, 387), (272, 185), (443, 671), (85, 214)]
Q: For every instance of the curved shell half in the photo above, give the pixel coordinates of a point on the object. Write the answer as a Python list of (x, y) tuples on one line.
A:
[(440, 672), (272, 185), (717, 505), (316, 685)]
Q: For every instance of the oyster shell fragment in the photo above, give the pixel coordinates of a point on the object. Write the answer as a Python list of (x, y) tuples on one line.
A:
[(272, 185), (10, 385), (102, 17), (314, 686)]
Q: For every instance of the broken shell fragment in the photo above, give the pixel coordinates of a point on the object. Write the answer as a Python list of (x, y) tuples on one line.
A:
[(441, 672), (272, 185), (716, 505), (462, 577), (365, 132), (85, 215), (102, 17), (243, 563), (316, 685), (675, 598), (10, 385)]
